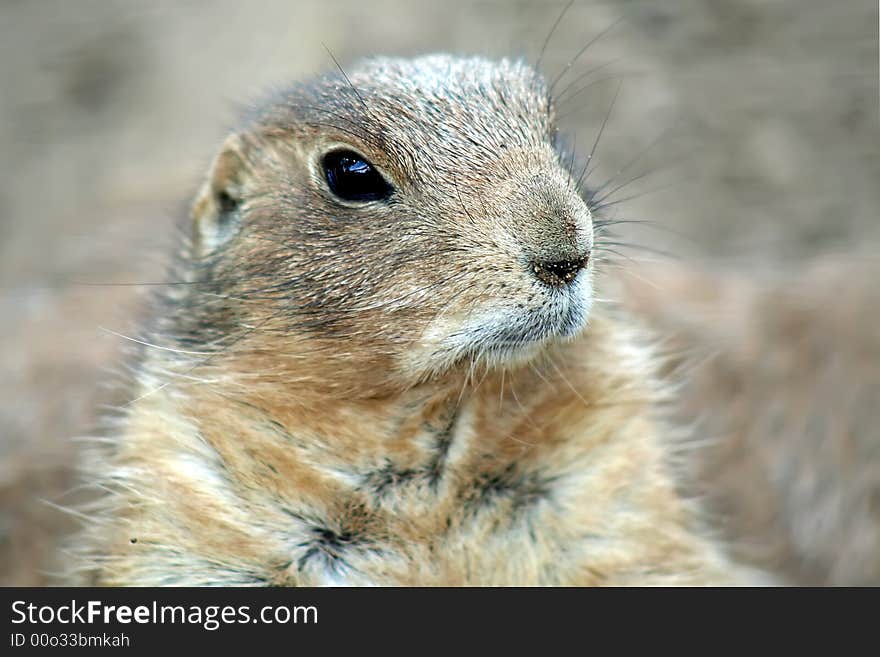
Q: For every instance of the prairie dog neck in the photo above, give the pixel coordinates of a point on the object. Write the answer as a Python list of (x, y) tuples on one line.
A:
[(549, 473)]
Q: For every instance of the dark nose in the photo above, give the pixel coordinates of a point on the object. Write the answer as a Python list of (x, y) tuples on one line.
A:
[(559, 273)]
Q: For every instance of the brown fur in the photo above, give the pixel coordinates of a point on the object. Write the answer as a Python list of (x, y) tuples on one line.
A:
[(384, 393)]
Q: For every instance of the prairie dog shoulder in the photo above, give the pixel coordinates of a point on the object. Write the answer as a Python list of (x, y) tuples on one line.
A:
[(385, 365)]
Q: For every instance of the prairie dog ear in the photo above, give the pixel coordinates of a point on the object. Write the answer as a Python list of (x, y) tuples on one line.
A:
[(216, 213)]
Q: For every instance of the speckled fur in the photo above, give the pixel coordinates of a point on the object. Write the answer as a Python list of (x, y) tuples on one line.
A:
[(384, 393)]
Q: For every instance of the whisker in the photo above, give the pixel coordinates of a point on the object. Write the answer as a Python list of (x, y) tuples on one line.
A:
[(550, 34), (599, 135), (501, 396), (602, 206), (566, 381), (600, 249), (604, 223), (580, 53), (560, 97), (154, 346), (642, 247), (633, 161), (348, 80), (572, 156), (563, 115), (592, 197)]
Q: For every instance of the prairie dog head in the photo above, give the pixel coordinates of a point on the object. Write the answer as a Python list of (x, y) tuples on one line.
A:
[(393, 226)]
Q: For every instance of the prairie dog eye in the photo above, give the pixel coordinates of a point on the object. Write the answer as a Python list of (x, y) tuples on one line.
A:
[(352, 178)]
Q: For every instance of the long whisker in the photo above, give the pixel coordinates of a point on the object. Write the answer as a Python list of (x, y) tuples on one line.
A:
[(560, 97), (348, 80), (599, 136), (602, 206), (550, 34), (580, 53), (154, 346), (632, 162)]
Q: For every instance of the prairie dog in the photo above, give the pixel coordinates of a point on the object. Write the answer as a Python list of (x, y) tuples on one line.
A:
[(381, 362)]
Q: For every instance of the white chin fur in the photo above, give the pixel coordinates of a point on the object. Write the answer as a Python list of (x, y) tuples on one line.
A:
[(503, 334)]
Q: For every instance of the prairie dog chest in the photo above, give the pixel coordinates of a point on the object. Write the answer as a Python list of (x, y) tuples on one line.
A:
[(465, 503)]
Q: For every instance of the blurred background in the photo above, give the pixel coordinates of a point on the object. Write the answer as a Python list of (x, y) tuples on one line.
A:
[(745, 132)]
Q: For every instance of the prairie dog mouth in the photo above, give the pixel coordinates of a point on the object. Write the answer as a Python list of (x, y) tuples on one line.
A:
[(511, 333), (563, 315)]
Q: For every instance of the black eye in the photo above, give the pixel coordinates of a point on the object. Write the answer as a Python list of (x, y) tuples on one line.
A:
[(352, 178)]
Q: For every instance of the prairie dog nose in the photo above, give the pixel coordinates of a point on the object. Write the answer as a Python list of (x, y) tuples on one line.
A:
[(563, 245), (560, 272), (553, 226)]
